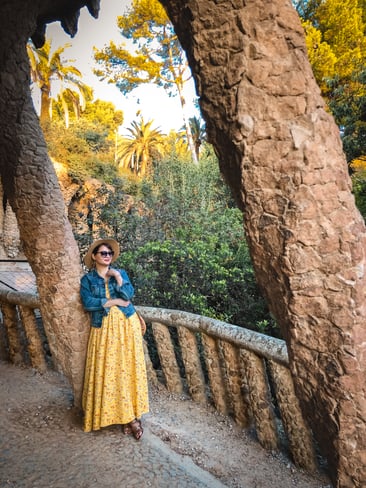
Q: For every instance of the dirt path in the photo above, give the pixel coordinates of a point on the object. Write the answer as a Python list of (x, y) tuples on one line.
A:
[(185, 444)]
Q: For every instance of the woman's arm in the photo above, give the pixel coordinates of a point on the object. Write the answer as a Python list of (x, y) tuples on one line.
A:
[(89, 301), (92, 303), (119, 302), (124, 287)]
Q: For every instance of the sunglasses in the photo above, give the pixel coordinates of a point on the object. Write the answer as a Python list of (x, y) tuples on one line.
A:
[(104, 254)]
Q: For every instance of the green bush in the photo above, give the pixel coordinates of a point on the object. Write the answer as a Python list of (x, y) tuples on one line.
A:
[(359, 190), (201, 276), (84, 148), (183, 244)]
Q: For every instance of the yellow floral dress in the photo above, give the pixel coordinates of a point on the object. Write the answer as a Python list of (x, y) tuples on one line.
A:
[(115, 383)]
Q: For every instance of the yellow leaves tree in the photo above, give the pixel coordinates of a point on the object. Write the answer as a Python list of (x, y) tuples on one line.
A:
[(153, 56), (321, 56), (335, 38)]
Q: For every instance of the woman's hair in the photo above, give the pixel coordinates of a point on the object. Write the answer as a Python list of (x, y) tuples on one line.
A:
[(96, 249)]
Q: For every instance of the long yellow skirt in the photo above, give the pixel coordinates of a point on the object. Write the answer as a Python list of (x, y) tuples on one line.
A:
[(115, 383)]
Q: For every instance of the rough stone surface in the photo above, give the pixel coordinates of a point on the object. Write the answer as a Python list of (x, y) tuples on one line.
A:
[(281, 153), (32, 189)]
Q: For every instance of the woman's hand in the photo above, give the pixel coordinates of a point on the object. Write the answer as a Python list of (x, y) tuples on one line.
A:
[(118, 302), (116, 274)]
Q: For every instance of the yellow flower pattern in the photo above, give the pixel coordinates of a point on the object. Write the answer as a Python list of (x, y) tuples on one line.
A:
[(115, 382)]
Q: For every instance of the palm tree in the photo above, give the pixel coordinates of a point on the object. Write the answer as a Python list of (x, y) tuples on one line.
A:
[(47, 68), (198, 130), (198, 134), (137, 149), (157, 57)]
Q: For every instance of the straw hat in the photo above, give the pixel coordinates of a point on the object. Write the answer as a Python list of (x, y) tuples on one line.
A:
[(111, 242)]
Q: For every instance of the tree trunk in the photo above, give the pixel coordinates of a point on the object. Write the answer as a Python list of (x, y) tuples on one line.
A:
[(31, 185), (45, 105), (187, 125), (281, 154), (143, 166), (179, 83)]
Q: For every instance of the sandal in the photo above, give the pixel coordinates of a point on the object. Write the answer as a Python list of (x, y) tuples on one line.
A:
[(126, 429), (137, 429)]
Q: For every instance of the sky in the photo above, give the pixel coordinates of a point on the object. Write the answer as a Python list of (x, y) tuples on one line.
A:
[(152, 101)]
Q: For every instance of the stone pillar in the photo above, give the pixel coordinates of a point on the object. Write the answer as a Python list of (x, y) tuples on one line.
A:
[(34, 194), (281, 153)]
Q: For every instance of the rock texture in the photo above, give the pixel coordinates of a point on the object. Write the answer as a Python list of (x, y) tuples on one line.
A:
[(281, 154), (32, 189), (10, 245)]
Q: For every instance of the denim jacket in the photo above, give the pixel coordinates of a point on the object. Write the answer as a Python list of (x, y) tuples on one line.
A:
[(93, 295)]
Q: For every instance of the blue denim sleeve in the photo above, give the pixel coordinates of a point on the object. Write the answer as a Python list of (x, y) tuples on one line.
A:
[(89, 301), (126, 291)]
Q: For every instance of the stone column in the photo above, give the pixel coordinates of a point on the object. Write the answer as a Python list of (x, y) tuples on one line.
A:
[(281, 153), (31, 186)]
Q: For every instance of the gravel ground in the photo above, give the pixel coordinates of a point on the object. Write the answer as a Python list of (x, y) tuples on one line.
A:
[(184, 444)]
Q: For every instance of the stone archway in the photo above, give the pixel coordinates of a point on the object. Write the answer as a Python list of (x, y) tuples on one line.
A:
[(281, 154)]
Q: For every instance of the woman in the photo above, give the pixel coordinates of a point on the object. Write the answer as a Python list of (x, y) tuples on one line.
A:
[(115, 383)]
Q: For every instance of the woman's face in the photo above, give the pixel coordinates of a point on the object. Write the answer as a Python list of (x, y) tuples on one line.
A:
[(103, 256)]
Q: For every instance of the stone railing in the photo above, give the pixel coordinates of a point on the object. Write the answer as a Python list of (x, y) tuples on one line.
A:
[(22, 338), (243, 373)]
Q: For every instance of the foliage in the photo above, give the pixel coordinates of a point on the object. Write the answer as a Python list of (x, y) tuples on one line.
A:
[(320, 54), (201, 276), (335, 39), (97, 112), (88, 145), (198, 131), (342, 27), (306, 8), (359, 183), (175, 145), (348, 105), (157, 56), (84, 148), (47, 68), (184, 246), (336, 43), (138, 148)]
